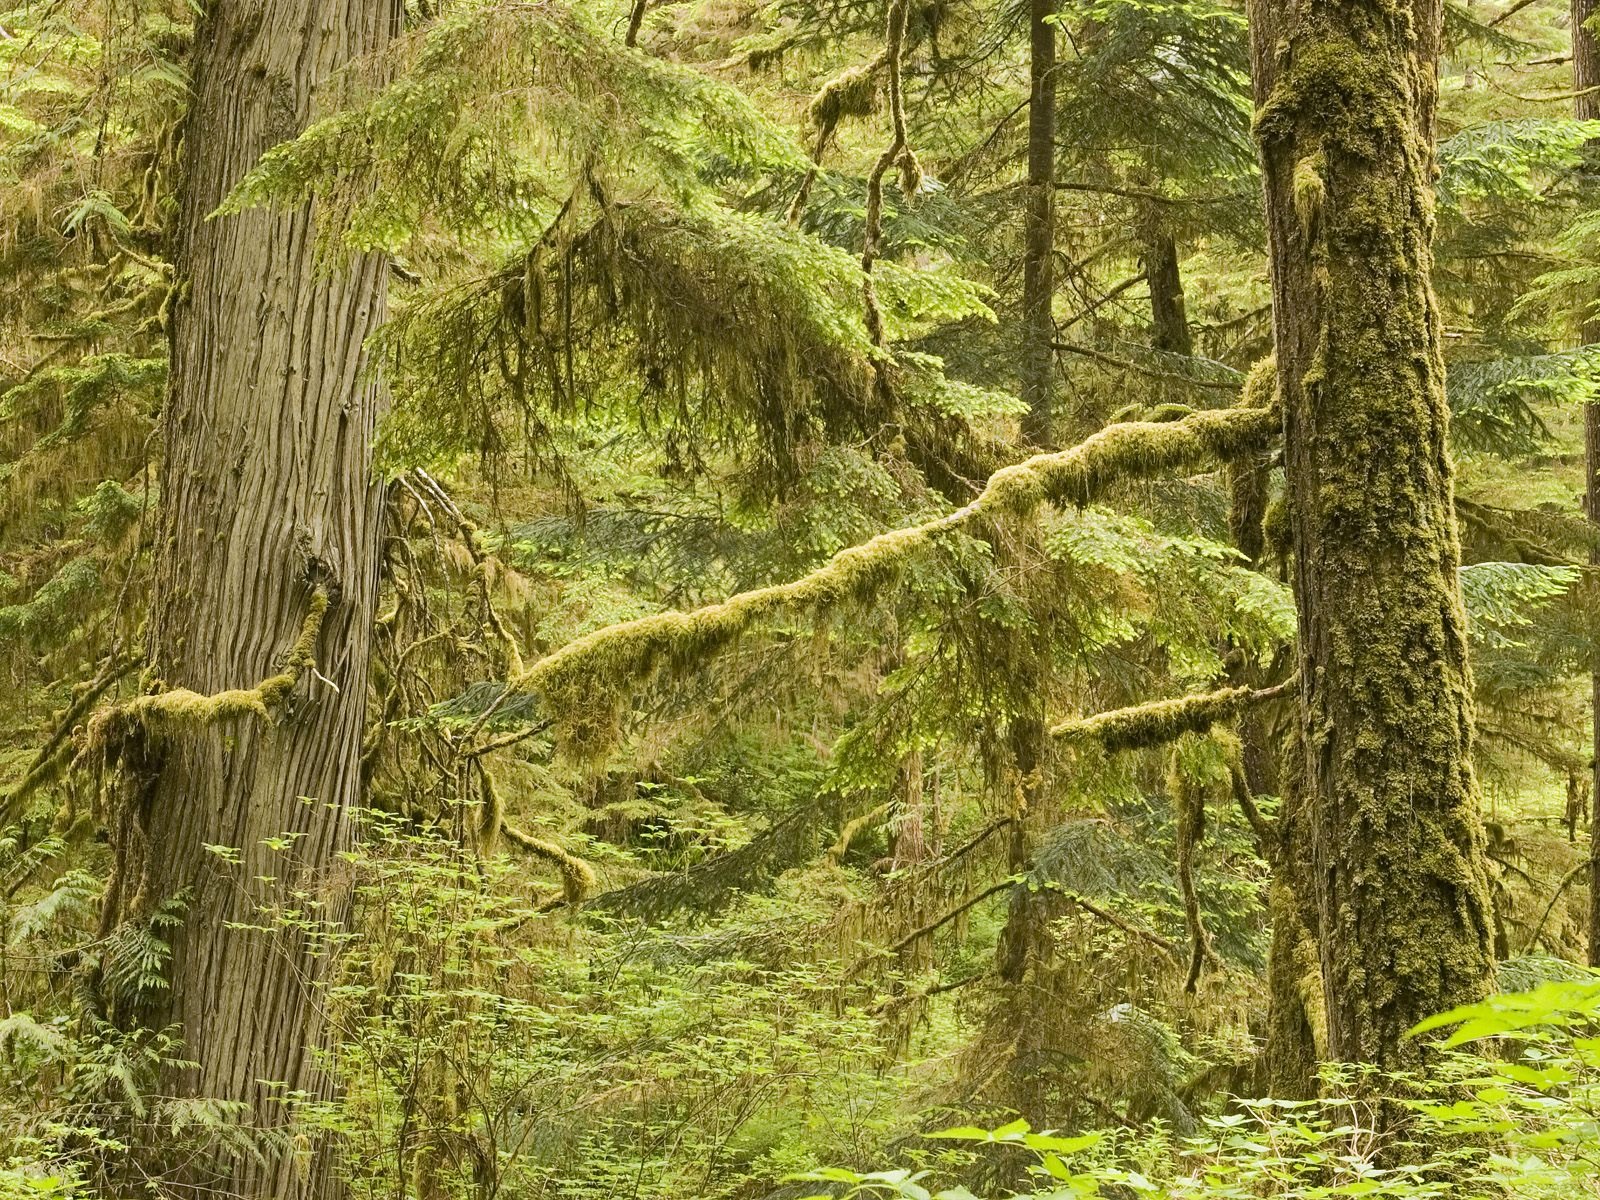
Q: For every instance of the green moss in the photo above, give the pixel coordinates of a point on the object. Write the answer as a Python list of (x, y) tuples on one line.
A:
[(1163, 721), (586, 682), (577, 876), (1309, 190), (851, 93), (174, 711)]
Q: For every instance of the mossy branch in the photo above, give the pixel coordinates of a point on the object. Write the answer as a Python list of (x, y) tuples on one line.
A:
[(577, 876), (584, 682), (55, 756), (1161, 721), (179, 710)]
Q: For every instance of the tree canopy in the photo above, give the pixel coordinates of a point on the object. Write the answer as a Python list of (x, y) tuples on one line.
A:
[(733, 599)]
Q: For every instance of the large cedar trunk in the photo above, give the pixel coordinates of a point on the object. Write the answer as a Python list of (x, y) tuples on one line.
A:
[(1345, 93), (269, 499)]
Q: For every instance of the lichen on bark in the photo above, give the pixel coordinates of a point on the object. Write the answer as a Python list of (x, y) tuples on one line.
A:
[(1345, 96)]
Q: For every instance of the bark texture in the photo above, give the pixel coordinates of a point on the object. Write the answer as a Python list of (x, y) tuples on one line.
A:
[(269, 503), (1039, 226), (1345, 94)]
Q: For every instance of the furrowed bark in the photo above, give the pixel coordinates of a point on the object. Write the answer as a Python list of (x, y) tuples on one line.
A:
[(269, 504), (1345, 94)]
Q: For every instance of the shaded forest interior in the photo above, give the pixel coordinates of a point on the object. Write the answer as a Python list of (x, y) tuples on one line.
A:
[(770, 599)]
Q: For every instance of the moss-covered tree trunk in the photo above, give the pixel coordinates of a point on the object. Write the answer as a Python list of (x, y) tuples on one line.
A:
[(269, 508), (1038, 228), (1345, 93), (1586, 107)]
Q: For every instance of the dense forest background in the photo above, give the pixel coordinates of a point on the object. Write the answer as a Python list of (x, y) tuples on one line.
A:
[(772, 598)]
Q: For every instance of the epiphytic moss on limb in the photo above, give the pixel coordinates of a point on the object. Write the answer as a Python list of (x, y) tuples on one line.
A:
[(584, 683)]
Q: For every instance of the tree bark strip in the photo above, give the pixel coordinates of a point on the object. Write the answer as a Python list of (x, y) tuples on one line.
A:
[(1039, 224), (1345, 94), (1586, 107), (269, 498)]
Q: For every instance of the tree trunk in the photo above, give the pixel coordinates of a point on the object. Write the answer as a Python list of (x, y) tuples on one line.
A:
[(1585, 76), (1039, 229), (1345, 94), (1288, 1065), (269, 501), (1169, 323)]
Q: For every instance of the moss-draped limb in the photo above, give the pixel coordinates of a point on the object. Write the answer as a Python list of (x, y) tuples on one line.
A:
[(577, 876), (161, 714), (55, 756), (1160, 721), (585, 681), (852, 93)]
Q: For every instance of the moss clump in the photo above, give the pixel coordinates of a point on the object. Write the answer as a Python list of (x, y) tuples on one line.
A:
[(1163, 721), (851, 93), (586, 682), (163, 714), (1260, 384), (1309, 190)]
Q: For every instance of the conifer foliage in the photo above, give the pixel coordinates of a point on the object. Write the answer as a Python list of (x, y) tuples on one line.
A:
[(826, 597)]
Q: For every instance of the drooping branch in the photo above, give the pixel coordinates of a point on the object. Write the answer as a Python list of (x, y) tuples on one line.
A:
[(583, 683), (55, 756), (941, 921), (1190, 798), (897, 153), (1164, 944), (1162, 721)]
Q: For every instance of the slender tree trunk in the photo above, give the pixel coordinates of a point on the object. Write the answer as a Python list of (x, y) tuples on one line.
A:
[(1169, 323), (1585, 76), (1039, 229), (269, 502), (1345, 94), (1295, 1007)]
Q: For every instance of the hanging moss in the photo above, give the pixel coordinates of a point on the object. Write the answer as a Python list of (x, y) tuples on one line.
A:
[(851, 93), (586, 682)]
